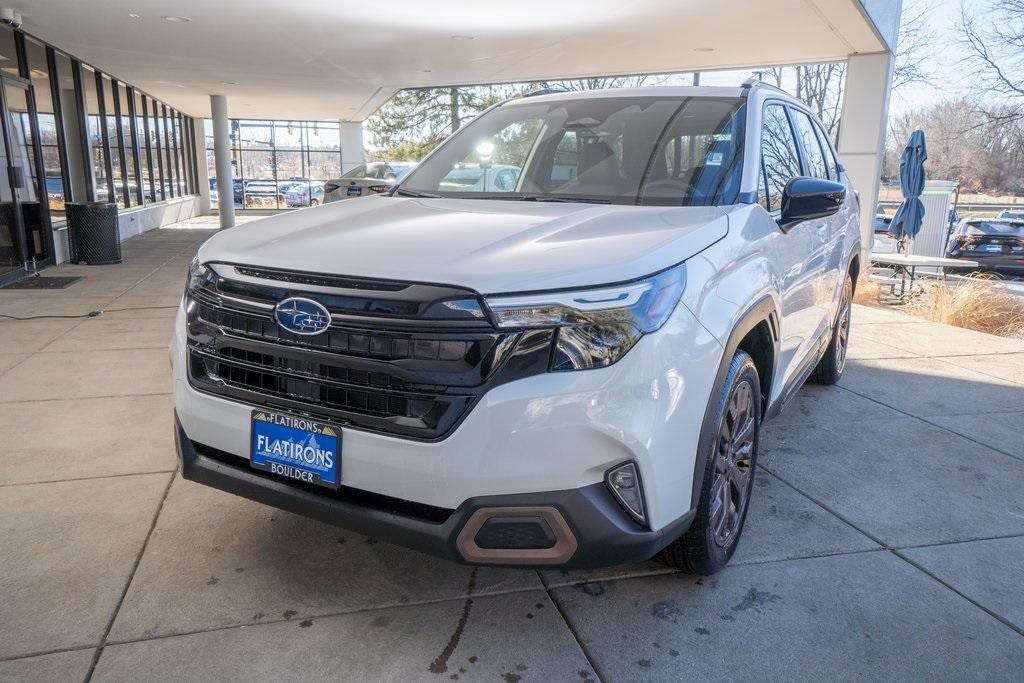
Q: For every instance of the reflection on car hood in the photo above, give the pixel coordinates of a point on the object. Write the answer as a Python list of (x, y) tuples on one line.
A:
[(488, 245)]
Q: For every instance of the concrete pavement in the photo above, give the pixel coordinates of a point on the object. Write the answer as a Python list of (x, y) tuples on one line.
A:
[(885, 538)]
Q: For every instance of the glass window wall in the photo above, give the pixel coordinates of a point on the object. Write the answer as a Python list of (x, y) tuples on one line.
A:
[(278, 164)]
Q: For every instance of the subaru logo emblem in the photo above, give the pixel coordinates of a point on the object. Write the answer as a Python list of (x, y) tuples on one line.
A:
[(302, 316)]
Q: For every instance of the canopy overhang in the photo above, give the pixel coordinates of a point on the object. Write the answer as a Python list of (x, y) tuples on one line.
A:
[(302, 59)]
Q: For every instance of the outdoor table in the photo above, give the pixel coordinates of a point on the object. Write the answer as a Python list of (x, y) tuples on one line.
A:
[(907, 264)]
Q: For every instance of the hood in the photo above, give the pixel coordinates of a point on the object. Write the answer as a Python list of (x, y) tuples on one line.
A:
[(491, 246)]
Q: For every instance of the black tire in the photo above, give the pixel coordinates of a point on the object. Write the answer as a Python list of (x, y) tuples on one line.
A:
[(711, 540), (314, 202), (830, 367)]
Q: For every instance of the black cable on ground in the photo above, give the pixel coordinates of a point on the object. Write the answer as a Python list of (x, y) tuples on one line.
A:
[(90, 314)]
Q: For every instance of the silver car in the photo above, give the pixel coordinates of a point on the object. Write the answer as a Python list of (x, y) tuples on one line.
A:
[(375, 177)]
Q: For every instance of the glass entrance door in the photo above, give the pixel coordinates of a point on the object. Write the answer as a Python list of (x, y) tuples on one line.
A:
[(11, 256), (26, 216)]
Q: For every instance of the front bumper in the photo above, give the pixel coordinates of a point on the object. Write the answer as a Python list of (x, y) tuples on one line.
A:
[(602, 534)]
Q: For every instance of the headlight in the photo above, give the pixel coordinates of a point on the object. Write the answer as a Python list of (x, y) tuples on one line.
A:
[(596, 326), (197, 273)]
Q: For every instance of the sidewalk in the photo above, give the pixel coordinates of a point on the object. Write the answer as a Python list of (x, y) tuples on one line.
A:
[(885, 538)]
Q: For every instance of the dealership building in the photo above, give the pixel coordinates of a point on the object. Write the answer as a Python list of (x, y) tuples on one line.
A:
[(161, 110)]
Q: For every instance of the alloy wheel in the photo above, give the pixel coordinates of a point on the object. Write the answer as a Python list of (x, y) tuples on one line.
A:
[(734, 457), (843, 326)]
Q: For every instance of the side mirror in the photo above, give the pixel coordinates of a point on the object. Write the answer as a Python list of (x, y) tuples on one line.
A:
[(807, 198)]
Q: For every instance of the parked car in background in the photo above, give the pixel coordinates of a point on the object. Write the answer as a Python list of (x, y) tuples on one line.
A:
[(1012, 213), (997, 245), (237, 188), (571, 371), (308, 193), (493, 178), (884, 241), (260, 194), (375, 177), (268, 194)]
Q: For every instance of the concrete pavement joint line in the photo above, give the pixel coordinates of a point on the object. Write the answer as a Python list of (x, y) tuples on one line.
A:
[(323, 615), (90, 478), (896, 552), (824, 507), (974, 602), (43, 653), (944, 359), (972, 439), (942, 427), (941, 544), (128, 583), (572, 630), (87, 398)]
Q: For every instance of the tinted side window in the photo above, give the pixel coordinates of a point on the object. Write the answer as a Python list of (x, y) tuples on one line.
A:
[(778, 154), (830, 157), (813, 157)]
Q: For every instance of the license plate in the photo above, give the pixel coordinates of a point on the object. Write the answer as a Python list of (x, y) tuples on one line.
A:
[(992, 248), (296, 448), (354, 190)]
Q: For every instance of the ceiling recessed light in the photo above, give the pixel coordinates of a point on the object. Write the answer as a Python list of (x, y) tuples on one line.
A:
[(134, 15), (176, 20), (703, 49), (460, 36)]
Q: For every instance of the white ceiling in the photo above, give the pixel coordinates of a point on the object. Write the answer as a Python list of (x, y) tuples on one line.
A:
[(325, 59)]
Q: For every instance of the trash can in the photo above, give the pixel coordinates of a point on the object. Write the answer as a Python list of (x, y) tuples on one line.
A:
[(93, 237)]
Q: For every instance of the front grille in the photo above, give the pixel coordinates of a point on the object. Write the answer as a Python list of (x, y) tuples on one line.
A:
[(416, 377)]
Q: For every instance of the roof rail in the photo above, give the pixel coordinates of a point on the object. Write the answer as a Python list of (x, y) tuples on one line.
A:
[(753, 82), (545, 91)]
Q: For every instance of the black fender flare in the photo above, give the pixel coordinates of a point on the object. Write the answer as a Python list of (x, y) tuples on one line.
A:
[(763, 310)]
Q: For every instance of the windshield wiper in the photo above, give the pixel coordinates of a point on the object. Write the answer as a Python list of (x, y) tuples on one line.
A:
[(413, 193), (553, 198), (523, 197)]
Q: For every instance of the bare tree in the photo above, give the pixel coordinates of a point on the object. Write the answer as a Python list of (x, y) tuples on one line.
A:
[(994, 41), (600, 83), (821, 85)]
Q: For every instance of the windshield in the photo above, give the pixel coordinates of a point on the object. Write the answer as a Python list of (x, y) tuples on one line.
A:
[(675, 151)]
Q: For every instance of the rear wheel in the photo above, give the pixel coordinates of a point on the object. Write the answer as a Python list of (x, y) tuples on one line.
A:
[(711, 539), (314, 202), (830, 367)]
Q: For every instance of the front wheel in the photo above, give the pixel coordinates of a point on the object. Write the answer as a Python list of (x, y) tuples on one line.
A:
[(711, 539), (830, 367)]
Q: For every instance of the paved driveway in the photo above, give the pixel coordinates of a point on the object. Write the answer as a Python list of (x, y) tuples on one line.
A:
[(885, 538)]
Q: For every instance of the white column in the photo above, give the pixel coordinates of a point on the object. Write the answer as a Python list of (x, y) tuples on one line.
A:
[(222, 160), (862, 132), (202, 171), (351, 145)]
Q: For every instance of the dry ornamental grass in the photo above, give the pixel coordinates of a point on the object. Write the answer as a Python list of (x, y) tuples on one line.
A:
[(971, 302)]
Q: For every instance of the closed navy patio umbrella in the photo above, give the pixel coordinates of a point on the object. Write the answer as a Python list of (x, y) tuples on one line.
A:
[(909, 217)]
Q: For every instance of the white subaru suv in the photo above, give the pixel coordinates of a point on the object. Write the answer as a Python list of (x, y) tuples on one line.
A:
[(570, 368)]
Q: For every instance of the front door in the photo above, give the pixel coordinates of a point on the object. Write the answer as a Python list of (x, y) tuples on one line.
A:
[(22, 237)]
